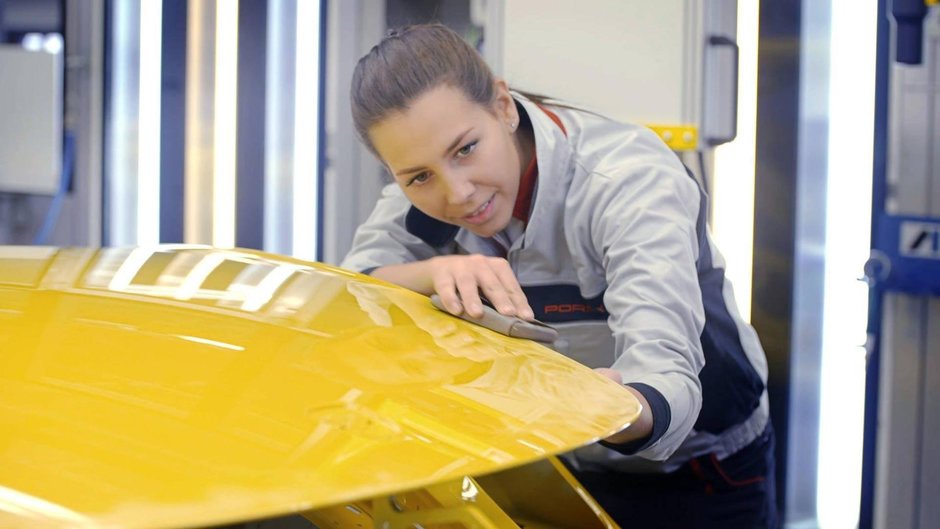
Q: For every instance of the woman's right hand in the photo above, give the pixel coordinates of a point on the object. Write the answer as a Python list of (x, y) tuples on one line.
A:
[(459, 280)]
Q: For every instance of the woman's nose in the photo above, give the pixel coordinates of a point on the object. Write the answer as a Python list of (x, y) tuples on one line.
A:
[(459, 188)]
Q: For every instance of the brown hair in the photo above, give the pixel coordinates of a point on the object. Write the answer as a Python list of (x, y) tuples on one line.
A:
[(408, 62)]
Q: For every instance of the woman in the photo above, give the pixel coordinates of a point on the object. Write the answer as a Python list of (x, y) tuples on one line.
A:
[(591, 225)]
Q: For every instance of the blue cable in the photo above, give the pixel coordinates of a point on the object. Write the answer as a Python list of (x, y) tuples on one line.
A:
[(65, 181)]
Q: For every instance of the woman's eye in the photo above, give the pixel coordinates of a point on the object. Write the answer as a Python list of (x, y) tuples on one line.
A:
[(466, 149), (419, 178)]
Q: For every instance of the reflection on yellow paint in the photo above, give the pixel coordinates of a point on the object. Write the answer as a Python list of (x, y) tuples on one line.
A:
[(24, 509), (257, 385)]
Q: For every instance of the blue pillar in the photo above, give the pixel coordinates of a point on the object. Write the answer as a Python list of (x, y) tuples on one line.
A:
[(173, 121), (252, 47)]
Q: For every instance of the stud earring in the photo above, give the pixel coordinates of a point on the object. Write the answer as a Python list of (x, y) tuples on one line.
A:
[(512, 125)]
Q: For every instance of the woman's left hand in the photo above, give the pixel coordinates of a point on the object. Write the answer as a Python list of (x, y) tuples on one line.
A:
[(644, 423), (610, 373)]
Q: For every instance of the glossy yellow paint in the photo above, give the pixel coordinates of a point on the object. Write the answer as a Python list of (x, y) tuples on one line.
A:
[(181, 386)]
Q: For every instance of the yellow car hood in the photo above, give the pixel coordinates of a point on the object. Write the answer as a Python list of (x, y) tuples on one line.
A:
[(180, 386)]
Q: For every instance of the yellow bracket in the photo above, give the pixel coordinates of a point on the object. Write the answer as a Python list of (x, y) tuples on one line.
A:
[(460, 503), (677, 137), (540, 495)]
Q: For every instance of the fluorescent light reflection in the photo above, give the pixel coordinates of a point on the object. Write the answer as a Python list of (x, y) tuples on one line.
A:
[(306, 120), (262, 293), (848, 222), (24, 506), (198, 274), (129, 269), (224, 123), (733, 183), (148, 126), (213, 343)]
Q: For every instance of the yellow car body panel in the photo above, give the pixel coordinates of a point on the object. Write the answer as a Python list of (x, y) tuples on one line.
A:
[(182, 386)]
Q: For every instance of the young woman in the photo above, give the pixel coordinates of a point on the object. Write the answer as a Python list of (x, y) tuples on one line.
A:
[(588, 224)]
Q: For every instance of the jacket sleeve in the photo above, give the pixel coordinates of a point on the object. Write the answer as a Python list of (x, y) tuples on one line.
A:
[(383, 238), (644, 233)]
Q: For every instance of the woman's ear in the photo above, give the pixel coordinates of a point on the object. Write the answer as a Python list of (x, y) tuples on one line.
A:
[(505, 105)]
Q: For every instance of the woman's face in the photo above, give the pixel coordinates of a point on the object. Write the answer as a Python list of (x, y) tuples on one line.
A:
[(456, 160)]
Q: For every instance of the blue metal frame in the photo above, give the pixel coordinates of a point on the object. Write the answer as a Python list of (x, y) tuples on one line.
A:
[(895, 265), (321, 129), (250, 114), (875, 294), (107, 61), (909, 25), (905, 254), (173, 120)]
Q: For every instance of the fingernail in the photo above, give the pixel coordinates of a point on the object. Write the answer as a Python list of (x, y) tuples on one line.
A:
[(508, 310)]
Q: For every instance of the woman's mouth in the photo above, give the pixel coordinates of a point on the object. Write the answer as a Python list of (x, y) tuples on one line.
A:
[(481, 214)]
